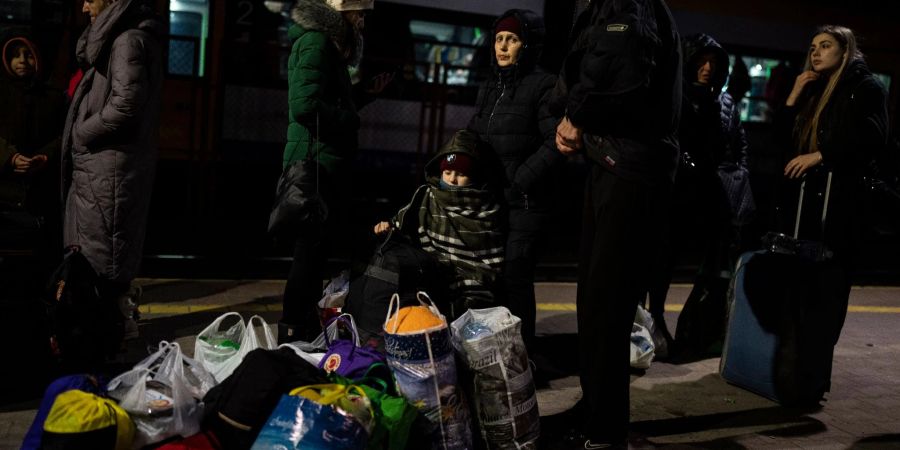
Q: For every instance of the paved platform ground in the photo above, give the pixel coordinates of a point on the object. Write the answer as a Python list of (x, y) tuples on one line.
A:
[(672, 406)]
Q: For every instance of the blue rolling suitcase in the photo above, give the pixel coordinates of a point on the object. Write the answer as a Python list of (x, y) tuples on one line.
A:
[(783, 321), (749, 350)]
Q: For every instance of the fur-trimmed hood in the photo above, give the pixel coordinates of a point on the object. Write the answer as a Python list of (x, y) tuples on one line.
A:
[(316, 15)]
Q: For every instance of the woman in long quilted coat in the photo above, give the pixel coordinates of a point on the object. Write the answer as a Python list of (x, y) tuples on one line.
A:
[(109, 145)]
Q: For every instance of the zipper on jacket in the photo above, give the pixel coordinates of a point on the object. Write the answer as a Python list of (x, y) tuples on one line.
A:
[(494, 109)]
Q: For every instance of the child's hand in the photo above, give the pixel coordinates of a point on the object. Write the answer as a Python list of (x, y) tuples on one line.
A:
[(20, 163), (38, 162), (24, 164), (382, 227)]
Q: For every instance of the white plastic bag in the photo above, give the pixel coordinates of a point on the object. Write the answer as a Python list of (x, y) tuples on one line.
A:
[(333, 297), (221, 351), (491, 346), (641, 347), (162, 394), (336, 291), (424, 367), (314, 351), (660, 345)]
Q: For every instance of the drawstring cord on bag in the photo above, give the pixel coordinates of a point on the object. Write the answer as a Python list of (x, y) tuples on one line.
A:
[(317, 148)]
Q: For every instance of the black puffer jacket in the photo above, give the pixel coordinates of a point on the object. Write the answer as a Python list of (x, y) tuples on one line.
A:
[(512, 119), (710, 133), (853, 128), (854, 125), (621, 84)]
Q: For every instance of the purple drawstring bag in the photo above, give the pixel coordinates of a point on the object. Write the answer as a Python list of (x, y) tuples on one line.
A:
[(346, 357)]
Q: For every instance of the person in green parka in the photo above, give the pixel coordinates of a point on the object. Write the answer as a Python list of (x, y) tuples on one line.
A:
[(327, 41)]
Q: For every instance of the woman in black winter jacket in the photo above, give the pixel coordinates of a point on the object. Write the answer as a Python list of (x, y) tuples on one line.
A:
[(836, 121), (512, 119), (711, 196)]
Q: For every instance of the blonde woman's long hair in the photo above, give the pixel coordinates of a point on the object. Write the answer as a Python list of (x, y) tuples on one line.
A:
[(807, 125)]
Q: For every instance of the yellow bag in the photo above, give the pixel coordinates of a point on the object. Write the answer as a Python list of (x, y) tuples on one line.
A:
[(350, 398), (85, 420)]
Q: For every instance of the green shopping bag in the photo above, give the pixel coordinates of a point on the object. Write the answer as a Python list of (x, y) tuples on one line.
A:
[(394, 416)]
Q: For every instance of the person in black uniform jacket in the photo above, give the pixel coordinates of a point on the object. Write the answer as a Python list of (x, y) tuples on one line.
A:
[(836, 120), (512, 118), (619, 97)]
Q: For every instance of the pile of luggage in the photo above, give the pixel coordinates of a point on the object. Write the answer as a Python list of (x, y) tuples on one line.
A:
[(432, 386)]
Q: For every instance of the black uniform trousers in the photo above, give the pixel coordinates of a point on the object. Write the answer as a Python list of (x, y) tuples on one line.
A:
[(620, 241), (527, 229)]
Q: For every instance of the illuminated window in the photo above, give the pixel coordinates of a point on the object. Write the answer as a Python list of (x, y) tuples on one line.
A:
[(754, 106), (445, 50), (188, 30), (885, 80), (15, 11)]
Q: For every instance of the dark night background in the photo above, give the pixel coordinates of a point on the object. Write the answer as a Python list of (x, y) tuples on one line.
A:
[(224, 114)]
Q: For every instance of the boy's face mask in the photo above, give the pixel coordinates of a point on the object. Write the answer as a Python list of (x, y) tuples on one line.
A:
[(23, 62)]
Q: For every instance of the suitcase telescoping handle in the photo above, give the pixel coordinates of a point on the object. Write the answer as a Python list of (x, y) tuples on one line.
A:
[(824, 207)]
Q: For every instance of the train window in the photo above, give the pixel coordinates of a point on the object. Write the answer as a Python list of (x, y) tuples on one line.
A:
[(15, 11), (445, 52), (188, 29), (755, 105), (885, 80)]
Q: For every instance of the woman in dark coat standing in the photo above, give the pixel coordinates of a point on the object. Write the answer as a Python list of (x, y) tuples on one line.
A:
[(711, 198), (836, 117), (110, 139), (511, 117)]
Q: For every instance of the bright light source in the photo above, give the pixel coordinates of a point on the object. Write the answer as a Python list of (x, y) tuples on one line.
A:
[(756, 71)]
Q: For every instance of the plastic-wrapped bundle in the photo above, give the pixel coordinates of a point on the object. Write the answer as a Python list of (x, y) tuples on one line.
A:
[(490, 341), (420, 354), (643, 344), (162, 394)]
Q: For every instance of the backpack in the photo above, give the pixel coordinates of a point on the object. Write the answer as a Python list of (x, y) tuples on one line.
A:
[(79, 420), (397, 267), (82, 382), (84, 328)]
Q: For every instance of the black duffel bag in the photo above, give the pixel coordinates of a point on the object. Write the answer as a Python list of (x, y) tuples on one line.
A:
[(398, 267)]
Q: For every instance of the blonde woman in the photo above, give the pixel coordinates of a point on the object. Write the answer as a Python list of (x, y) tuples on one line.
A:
[(840, 123), (841, 108)]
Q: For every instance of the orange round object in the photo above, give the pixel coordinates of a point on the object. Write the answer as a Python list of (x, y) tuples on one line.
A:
[(413, 318)]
